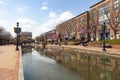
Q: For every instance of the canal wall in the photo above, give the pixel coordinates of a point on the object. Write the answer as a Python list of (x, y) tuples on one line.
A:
[(87, 63), (89, 49), (21, 74), (62, 54), (76, 54)]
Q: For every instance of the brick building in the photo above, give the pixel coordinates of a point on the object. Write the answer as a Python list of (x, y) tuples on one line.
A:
[(91, 22), (51, 35), (27, 35), (83, 25), (75, 28), (107, 11)]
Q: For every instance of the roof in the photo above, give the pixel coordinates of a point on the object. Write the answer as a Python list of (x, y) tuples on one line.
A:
[(97, 3), (74, 17)]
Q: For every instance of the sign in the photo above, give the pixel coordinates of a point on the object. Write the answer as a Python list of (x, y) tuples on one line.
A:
[(17, 30)]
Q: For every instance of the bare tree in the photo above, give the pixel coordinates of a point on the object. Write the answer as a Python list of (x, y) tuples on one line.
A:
[(74, 28), (68, 30), (113, 15), (93, 23), (5, 36)]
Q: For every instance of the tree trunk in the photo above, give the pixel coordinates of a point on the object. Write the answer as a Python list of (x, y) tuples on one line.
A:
[(76, 35), (115, 34), (94, 37)]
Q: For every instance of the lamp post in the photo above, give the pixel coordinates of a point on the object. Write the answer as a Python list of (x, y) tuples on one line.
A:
[(17, 30), (103, 37), (17, 36)]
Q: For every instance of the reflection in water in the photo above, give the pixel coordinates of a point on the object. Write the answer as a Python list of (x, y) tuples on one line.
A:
[(88, 66), (26, 50), (37, 66), (43, 58)]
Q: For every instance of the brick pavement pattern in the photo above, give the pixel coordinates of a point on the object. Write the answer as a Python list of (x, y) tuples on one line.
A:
[(9, 62)]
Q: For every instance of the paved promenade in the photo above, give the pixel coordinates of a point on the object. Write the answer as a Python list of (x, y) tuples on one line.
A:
[(9, 62), (108, 50)]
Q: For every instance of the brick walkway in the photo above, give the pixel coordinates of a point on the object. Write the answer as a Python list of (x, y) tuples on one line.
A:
[(108, 50), (9, 62)]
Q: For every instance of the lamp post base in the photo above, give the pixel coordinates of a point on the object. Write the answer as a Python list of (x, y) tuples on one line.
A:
[(103, 49), (17, 49)]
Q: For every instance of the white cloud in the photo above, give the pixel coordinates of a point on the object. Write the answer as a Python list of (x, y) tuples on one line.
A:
[(44, 8), (65, 16), (52, 22), (21, 8), (1, 1), (33, 26), (8, 25), (57, 19), (29, 25), (44, 3), (26, 21), (52, 15)]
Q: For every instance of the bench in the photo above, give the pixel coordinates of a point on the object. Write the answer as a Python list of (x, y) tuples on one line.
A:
[(107, 46)]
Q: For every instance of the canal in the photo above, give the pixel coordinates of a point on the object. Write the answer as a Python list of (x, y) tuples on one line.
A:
[(68, 64), (38, 66)]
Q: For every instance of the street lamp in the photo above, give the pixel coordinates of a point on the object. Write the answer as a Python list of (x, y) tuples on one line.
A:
[(17, 30), (103, 37), (17, 37)]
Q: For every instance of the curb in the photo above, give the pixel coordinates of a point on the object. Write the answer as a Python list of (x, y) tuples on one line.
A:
[(21, 74)]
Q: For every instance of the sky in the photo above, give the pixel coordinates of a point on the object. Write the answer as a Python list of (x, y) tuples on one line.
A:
[(40, 16)]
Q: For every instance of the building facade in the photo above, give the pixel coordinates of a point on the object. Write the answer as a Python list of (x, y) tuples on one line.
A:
[(107, 11), (75, 28), (51, 35), (83, 25), (90, 23), (27, 35)]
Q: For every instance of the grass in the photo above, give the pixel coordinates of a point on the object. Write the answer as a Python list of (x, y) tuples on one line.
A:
[(114, 41)]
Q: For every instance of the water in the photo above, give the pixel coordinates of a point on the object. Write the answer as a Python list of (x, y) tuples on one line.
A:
[(69, 64), (37, 66)]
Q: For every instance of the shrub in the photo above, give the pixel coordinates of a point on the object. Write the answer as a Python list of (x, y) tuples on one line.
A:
[(114, 41)]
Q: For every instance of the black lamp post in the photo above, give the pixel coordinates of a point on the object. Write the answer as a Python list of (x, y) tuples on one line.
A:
[(17, 30), (17, 36), (103, 37)]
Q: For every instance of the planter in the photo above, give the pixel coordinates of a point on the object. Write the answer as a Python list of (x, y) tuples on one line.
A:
[(94, 45), (113, 46), (116, 46)]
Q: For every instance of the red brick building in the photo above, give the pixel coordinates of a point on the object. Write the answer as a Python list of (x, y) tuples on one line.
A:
[(76, 27), (107, 11)]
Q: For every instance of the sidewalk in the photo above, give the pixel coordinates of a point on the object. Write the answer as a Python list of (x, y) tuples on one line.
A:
[(108, 50), (9, 62)]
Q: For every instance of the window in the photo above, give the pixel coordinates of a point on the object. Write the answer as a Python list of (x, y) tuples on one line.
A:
[(116, 20), (100, 12), (101, 23), (81, 21), (104, 10), (116, 4), (94, 13), (104, 14), (107, 21)]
